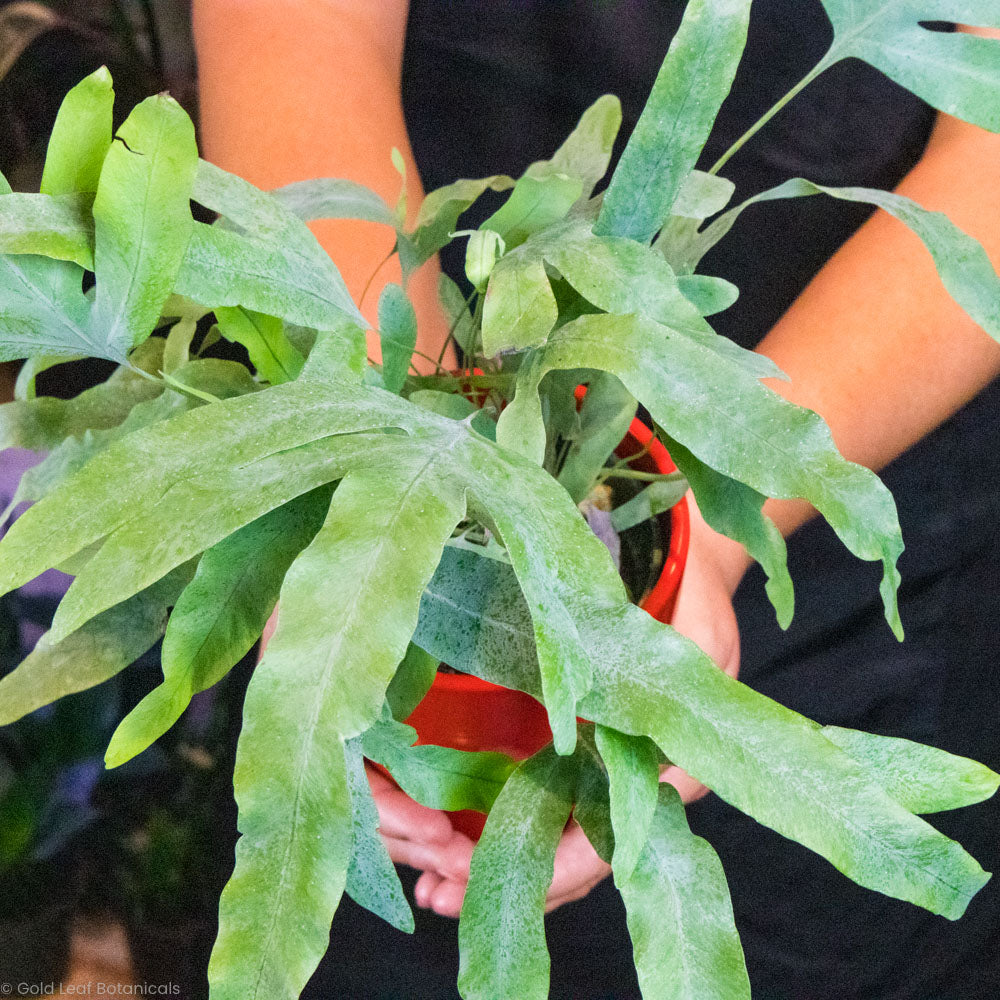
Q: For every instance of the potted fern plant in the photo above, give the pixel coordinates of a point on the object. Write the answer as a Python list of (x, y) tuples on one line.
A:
[(406, 520)]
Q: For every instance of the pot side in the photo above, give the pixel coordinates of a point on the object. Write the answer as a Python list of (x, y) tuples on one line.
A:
[(467, 713)]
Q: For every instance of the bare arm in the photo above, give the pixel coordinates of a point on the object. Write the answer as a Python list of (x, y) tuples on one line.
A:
[(875, 344), (294, 89)]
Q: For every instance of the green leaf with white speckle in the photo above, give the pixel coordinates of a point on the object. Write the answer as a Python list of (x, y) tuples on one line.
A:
[(501, 933), (680, 917)]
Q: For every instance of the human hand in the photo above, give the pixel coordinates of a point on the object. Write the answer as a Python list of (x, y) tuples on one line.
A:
[(415, 835), (424, 839), (576, 871)]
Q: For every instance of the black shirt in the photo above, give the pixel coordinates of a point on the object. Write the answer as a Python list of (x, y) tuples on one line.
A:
[(488, 88)]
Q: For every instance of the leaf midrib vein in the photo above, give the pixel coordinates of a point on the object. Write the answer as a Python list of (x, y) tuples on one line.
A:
[(307, 740)]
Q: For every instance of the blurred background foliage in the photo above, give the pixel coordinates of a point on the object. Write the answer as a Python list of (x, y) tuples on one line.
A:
[(46, 48)]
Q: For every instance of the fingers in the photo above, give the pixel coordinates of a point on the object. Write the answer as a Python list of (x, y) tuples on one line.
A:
[(449, 855), (424, 839), (402, 818), (442, 887), (443, 896), (415, 853), (447, 860), (424, 889), (456, 857)]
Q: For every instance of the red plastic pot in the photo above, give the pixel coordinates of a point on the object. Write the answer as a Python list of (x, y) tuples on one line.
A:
[(467, 713)]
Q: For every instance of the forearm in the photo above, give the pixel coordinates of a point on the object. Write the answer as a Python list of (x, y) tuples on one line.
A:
[(878, 348), (875, 344), (294, 89)]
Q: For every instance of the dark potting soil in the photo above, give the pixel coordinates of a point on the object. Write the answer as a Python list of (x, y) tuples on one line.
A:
[(643, 548)]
